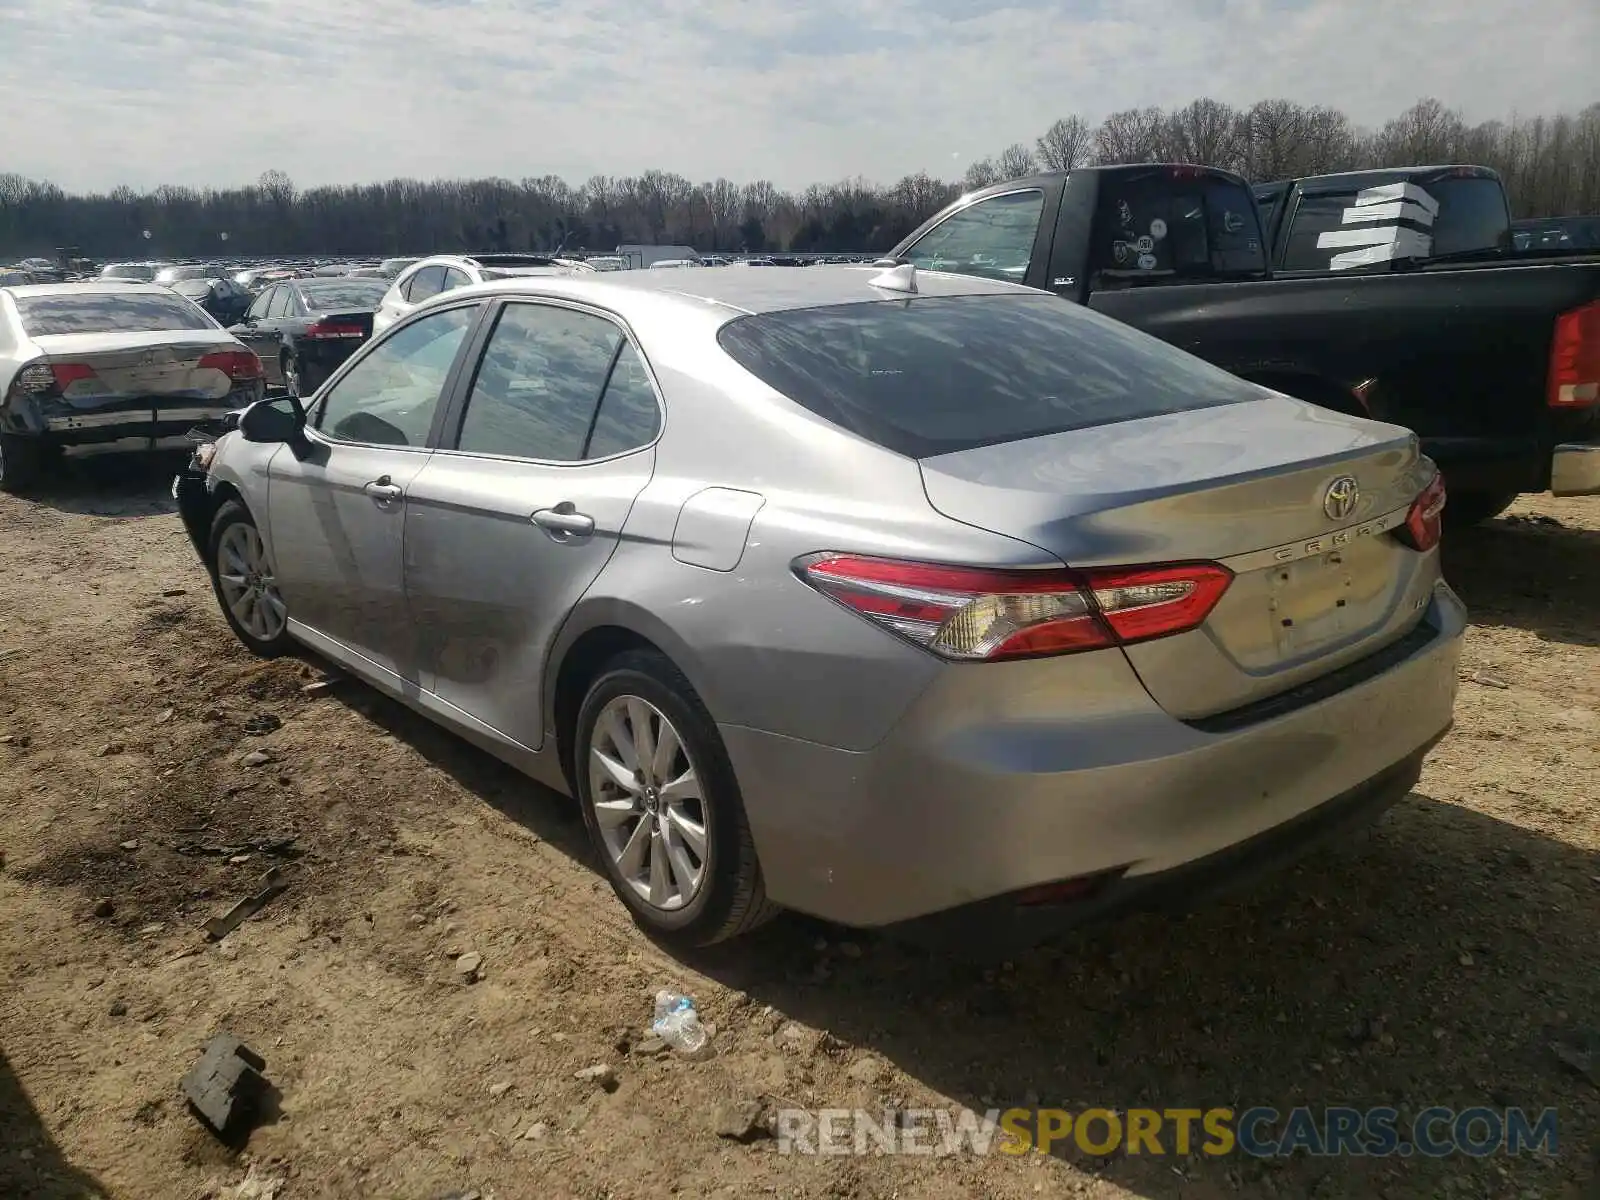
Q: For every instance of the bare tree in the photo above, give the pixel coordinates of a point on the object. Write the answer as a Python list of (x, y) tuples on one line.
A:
[(1204, 131), (981, 174), (1134, 135), (1067, 144)]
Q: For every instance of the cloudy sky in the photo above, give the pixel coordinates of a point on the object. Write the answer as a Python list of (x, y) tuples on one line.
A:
[(217, 91)]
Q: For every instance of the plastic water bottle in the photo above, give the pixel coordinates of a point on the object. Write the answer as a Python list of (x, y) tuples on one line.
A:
[(677, 1023)]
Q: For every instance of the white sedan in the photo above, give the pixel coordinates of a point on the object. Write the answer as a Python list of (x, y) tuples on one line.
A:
[(446, 272), (105, 366)]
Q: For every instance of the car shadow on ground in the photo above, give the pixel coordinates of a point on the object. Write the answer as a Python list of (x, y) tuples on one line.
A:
[(1432, 960), (30, 1163), (1523, 572), (116, 485)]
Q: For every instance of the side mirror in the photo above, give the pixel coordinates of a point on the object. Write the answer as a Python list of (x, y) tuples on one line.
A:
[(281, 419)]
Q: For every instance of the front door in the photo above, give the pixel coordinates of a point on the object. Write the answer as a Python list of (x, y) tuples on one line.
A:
[(512, 520), (337, 511)]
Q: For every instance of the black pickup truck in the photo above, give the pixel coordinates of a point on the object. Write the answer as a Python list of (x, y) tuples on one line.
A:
[(1494, 361)]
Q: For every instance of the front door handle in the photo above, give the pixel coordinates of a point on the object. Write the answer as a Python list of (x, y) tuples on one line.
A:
[(383, 490), (564, 521)]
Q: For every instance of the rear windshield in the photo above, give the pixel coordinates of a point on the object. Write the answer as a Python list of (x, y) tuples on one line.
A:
[(194, 287), (355, 293), (108, 312), (940, 374)]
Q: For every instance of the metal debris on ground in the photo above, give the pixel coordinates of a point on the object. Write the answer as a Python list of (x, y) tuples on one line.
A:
[(1484, 679), (276, 847), (226, 1087), (218, 928)]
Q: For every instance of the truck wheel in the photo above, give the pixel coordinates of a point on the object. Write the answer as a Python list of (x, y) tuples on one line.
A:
[(1463, 509), (21, 462)]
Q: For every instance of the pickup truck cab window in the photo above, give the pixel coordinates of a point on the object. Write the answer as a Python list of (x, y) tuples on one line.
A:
[(992, 238), (1151, 225)]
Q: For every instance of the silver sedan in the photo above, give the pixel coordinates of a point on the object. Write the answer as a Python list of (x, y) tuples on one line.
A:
[(906, 600)]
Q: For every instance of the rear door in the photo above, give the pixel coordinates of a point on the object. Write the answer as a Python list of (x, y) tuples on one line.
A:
[(337, 512), (512, 521)]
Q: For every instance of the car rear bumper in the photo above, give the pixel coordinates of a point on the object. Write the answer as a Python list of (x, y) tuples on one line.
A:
[(1575, 469), (1072, 772), (133, 424)]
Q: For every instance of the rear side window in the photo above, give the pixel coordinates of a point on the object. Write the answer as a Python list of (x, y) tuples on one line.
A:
[(1154, 224), (427, 282), (454, 279), (539, 383), (108, 312), (940, 374), (628, 417)]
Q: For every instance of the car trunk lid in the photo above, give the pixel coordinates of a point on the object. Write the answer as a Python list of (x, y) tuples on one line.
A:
[(105, 368), (1319, 580)]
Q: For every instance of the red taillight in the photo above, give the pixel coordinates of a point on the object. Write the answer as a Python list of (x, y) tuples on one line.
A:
[(1424, 521), (330, 330), (978, 614), (235, 364), (67, 374), (1575, 359)]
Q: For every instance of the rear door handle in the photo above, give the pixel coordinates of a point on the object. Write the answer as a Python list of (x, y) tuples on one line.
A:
[(383, 490), (563, 521)]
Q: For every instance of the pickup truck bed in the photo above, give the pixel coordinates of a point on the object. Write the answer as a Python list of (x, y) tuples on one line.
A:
[(1470, 355)]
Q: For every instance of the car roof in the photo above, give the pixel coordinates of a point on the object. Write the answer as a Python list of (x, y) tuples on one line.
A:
[(741, 291), (91, 287)]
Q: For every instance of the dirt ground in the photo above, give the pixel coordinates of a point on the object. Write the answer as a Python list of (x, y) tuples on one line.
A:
[(1432, 962)]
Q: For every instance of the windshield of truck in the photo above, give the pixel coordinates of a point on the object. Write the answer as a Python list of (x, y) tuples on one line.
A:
[(1166, 222)]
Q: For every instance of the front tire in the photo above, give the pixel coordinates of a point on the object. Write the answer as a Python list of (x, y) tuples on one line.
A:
[(245, 583), (21, 463), (662, 805)]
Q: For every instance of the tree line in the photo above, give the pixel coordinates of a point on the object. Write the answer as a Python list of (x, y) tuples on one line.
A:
[(1550, 164)]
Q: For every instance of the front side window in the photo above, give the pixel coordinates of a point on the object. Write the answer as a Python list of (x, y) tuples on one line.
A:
[(427, 282), (263, 304), (388, 398), (539, 383), (992, 238)]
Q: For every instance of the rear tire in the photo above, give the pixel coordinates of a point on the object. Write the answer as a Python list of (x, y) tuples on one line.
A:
[(21, 462), (244, 580), (667, 800), (1463, 509)]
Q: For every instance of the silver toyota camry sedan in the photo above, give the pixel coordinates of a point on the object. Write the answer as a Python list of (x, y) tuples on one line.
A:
[(907, 600)]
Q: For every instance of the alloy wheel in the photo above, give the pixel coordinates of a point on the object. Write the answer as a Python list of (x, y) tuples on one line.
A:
[(647, 802), (248, 583)]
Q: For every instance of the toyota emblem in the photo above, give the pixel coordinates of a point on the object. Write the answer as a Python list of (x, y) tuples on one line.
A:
[(1340, 500)]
